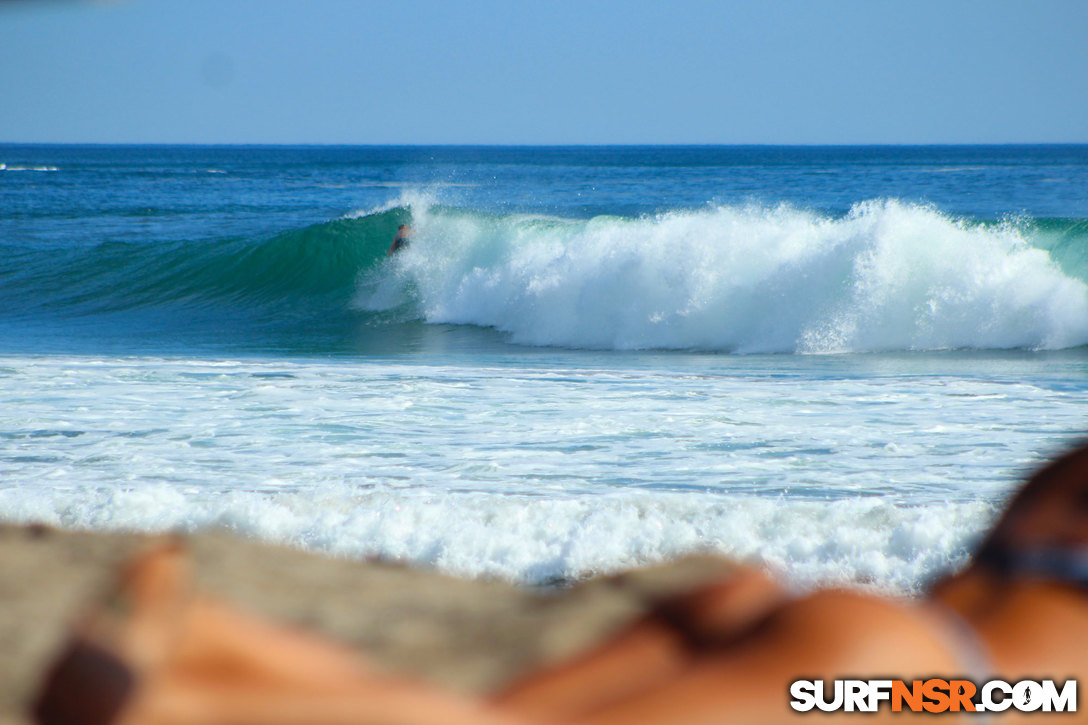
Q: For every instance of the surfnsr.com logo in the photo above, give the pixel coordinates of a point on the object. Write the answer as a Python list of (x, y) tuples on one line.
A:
[(934, 695)]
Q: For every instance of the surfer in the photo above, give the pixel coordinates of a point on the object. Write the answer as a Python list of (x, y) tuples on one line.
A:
[(400, 240), (160, 654)]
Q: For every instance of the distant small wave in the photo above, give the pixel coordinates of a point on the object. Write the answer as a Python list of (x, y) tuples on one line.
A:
[(6, 167), (952, 169)]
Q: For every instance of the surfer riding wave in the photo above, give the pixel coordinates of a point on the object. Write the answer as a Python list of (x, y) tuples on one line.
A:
[(400, 240)]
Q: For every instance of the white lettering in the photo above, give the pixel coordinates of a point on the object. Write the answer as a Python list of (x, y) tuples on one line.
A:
[(988, 702), (879, 690), (1027, 696), (1064, 701), (804, 695), (836, 701), (855, 696)]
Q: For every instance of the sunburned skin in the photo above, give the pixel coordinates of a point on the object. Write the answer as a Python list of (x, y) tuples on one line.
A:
[(728, 652)]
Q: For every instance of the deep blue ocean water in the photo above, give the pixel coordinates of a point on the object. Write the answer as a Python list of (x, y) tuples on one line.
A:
[(838, 360)]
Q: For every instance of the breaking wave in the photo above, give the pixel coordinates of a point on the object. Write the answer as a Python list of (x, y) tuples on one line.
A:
[(885, 276)]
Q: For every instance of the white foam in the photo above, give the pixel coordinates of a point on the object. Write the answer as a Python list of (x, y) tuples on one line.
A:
[(860, 541), (5, 167), (888, 276), (832, 469)]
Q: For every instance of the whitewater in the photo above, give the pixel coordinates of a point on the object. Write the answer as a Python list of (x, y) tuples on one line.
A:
[(887, 276), (838, 362)]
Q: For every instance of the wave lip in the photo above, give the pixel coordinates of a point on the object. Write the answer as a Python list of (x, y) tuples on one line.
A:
[(887, 276)]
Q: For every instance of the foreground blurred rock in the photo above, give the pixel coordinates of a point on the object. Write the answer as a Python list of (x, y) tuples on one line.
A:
[(468, 635)]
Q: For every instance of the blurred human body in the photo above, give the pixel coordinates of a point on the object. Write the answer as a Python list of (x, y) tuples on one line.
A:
[(725, 652)]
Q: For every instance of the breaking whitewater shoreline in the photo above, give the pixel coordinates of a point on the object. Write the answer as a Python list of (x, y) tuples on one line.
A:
[(471, 636)]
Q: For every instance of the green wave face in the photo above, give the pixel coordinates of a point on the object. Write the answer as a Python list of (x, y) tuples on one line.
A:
[(1067, 242), (303, 269)]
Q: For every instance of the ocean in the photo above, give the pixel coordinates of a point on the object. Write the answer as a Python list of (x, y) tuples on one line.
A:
[(836, 361)]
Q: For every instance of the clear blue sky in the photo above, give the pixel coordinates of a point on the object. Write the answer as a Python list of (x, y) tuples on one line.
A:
[(542, 72)]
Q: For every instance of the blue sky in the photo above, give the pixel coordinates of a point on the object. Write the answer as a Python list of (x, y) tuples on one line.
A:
[(523, 71)]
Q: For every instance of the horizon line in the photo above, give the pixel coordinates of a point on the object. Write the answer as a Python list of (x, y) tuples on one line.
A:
[(281, 144)]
